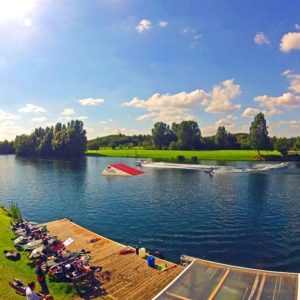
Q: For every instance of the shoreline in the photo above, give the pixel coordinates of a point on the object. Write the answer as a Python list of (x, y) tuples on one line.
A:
[(190, 156)]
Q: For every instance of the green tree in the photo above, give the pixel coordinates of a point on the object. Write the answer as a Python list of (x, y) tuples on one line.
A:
[(61, 140), (221, 137), (189, 135), (282, 145), (259, 136), (25, 145), (161, 135), (7, 147), (297, 143)]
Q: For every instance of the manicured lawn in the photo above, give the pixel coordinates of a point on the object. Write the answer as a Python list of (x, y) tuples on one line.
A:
[(171, 155), (21, 269)]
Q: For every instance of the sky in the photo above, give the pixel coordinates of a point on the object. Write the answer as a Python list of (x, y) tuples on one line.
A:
[(122, 65)]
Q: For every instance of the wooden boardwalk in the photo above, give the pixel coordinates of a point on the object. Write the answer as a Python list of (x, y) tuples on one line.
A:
[(130, 276)]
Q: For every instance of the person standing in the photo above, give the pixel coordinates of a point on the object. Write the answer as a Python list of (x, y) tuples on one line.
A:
[(40, 276)]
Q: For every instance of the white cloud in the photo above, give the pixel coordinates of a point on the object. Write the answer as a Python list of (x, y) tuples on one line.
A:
[(212, 129), (8, 130), (170, 108), (67, 112), (290, 41), (252, 112), (31, 108), (82, 118), (261, 38), (90, 101), (188, 30), (294, 80), (143, 25), (27, 22), (178, 107), (292, 124), (297, 26), (4, 116), (286, 100), (163, 24), (221, 97), (127, 131), (103, 122), (39, 120), (90, 132)]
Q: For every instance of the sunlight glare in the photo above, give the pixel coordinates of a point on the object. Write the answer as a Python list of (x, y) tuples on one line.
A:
[(15, 9)]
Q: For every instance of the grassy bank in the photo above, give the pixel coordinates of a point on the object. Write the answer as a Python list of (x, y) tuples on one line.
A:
[(21, 269), (172, 155)]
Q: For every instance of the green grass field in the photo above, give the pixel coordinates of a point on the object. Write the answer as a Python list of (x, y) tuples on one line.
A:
[(172, 155), (22, 269)]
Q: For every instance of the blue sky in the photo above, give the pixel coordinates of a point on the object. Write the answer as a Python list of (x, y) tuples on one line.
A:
[(121, 65)]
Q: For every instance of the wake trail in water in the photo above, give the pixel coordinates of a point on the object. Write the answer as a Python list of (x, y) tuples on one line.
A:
[(216, 168)]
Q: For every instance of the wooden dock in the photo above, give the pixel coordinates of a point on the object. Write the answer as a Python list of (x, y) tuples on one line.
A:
[(130, 276)]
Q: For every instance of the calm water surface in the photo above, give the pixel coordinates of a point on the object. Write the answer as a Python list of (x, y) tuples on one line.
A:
[(244, 218)]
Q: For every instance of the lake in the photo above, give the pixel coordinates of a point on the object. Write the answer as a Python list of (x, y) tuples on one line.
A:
[(246, 214)]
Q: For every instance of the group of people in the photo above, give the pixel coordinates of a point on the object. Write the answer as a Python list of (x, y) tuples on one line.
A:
[(30, 293)]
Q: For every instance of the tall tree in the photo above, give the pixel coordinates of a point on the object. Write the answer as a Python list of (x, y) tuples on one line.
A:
[(282, 145), (161, 135), (259, 136), (221, 137), (189, 135)]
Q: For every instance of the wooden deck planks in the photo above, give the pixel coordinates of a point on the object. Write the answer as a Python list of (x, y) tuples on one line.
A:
[(131, 278)]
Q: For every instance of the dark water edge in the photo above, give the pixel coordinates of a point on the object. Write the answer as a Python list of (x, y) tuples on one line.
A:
[(248, 219)]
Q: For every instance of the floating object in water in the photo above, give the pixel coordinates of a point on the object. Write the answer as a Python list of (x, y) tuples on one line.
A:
[(120, 170)]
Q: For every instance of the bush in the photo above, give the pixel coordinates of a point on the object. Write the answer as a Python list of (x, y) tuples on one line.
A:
[(180, 158), (14, 211), (194, 158)]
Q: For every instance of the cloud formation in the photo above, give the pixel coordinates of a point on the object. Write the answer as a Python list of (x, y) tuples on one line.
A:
[(90, 101), (4, 116), (31, 108), (227, 122), (143, 25), (82, 118), (286, 100), (221, 97), (290, 41), (261, 38), (294, 80), (163, 24), (67, 112), (178, 107), (39, 120), (252, 112), (292, 124)]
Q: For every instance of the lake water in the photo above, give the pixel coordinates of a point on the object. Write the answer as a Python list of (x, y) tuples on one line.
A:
[(246, 214)]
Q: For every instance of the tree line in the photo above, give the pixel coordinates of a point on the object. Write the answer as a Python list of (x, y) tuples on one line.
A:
[(60, 140), (70, 140), (187, 136)]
